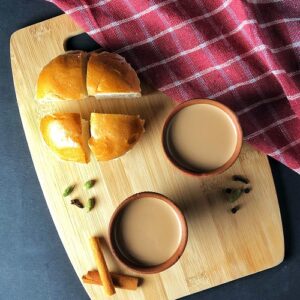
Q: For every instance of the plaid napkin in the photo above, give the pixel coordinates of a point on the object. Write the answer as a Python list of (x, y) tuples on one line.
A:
[(242, 53)]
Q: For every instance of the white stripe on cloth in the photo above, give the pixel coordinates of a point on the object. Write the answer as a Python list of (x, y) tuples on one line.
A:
[(284, 20), (284, 148), (156, 50), (282, 128), (253, 80), (263, 130), (263, 1), (294, 97), (268, 100), (226, 64), (214, 40), (179, 26), (257, 104), (213, 59), (133, 17), (188, 62), (86, 6), (290, 46), (176, 27), (294, 73), (199, 37)]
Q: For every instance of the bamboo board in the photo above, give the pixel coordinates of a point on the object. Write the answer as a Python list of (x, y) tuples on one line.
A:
[(221, 247)]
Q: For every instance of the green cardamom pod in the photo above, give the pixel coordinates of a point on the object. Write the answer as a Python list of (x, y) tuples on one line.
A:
[(68, 190), (91, 204), (235, 194), (89, 184)]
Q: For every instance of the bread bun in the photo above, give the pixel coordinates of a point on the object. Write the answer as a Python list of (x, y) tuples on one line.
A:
[(109, 75), (63, 133), (63, 78), (112, 135)]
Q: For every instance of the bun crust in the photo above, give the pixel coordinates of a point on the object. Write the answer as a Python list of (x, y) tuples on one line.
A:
[(63, 134), (108, 74), (63, 78), (112, 135)]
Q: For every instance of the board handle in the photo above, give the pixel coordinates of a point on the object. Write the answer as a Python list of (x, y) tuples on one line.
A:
[(70, 36), (81, 41), (65, 29)]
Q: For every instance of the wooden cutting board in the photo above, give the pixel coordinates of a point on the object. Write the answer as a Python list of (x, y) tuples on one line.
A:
[(222, 246)]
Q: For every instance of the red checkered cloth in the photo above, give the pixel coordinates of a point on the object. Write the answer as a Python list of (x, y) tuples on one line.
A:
[(242, 53)]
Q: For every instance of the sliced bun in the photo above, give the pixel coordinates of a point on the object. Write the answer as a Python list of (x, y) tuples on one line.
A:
[(112, 135), (63, 78), (109, 75), (63, 133)]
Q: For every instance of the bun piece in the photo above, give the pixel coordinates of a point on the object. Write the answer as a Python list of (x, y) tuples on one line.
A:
[(109, 75), (112, 135), (63, 78), (63, 134)]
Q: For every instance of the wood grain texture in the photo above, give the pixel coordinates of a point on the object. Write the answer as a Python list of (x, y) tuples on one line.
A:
[(221, 246)]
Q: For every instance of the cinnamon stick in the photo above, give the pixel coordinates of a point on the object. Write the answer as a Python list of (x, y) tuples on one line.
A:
[(121, 281), (104, 274)]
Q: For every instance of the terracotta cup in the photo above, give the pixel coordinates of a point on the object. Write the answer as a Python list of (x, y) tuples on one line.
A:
[(136, 266), (192, 171)]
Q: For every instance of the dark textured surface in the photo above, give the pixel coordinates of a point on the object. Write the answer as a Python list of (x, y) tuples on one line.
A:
[(33, 262)]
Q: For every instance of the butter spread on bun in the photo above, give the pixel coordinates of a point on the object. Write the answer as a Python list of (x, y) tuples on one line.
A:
[(64, 135), (109, 75), (75, 75), (63, 78), (112, 135)]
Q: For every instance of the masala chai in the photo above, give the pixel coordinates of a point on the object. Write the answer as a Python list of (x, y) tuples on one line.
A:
[(202, 137)]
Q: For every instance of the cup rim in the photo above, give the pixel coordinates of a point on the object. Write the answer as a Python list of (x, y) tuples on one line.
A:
[(148, 269), (225, 109)]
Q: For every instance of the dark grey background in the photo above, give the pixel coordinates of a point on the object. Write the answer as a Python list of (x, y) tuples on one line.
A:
[(33, 263)]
